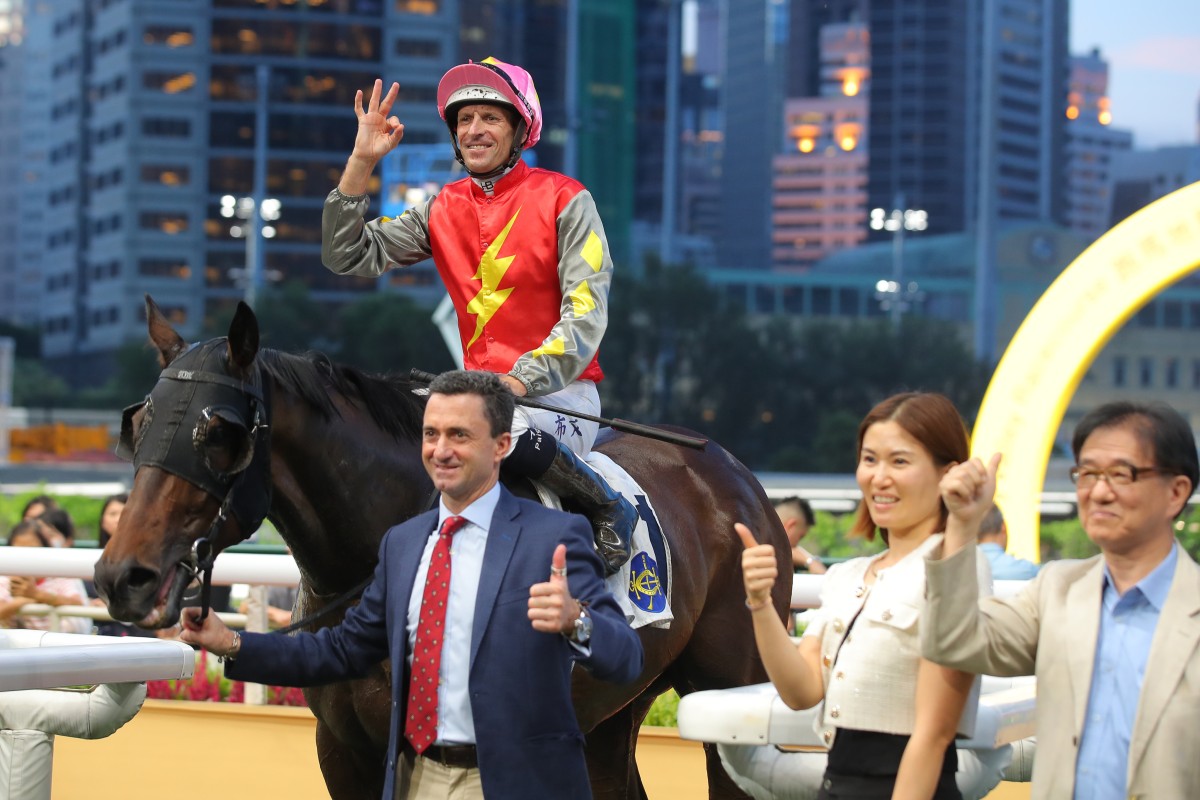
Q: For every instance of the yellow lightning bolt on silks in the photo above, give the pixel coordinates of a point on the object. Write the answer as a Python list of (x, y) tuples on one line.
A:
[(491, 271)]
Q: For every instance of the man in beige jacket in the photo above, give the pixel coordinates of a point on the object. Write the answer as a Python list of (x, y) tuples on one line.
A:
[(1114, 640)]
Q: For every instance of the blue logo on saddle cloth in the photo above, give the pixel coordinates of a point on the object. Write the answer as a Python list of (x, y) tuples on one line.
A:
[(645, 588)]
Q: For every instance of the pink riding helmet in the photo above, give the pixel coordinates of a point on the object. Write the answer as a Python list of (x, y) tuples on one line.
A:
[(493, 81)]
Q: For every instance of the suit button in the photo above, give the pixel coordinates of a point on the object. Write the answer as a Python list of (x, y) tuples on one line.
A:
[(841, 675), (838, 627), (886, 615), (835, 712), (860, 591), (827, 736), (827, 661)]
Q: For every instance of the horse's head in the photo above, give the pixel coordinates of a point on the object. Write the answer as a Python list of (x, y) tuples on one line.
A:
[(201, 483)]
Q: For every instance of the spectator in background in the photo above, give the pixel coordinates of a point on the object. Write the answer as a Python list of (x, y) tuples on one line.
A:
[(38, 505), (993, 542), (59, 519), (280, 602), (17, 592), (110, 516), (797, 517)]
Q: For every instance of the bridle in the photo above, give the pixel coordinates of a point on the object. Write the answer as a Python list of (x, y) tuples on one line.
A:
[(179, 413)]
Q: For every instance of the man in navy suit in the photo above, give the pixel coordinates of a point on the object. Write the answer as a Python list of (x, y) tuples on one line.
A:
[(498, 717)]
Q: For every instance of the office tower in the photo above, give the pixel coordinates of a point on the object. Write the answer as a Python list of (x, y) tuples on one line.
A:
[(1092, 144), (806, 19), (751, 101), (1139, 177), (11, 172), (957, 93), (138, 117), (820, 182)]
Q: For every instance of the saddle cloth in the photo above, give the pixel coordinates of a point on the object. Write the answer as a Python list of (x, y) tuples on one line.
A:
[(643, 586)]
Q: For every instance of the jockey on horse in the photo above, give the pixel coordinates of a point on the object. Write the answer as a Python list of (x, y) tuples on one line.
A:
[(523, 256)]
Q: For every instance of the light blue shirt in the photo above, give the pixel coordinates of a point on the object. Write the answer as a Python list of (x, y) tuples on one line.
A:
[(456, 723), (1006, 567), (1127, 623)]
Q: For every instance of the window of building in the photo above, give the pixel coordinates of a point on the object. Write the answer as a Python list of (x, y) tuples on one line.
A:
[(166, 127), (166, 174), (169, 222), (1145, 372), (1196, 373), (1171, 374), (1119, 371), (169, 35), (169, 82), (427, 7), (418, 48), (296, 39), (164, 268)]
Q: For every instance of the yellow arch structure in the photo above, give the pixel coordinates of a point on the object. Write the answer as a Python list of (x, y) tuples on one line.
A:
[(1059, 340)]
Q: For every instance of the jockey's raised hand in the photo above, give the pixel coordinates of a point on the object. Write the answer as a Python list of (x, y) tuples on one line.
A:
[(378, 134)]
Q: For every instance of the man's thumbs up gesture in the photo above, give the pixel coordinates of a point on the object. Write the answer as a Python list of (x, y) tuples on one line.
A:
[(551, 607)]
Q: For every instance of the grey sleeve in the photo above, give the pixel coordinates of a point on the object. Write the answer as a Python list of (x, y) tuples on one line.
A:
[(584, 275), (961, 629), (352, 246)]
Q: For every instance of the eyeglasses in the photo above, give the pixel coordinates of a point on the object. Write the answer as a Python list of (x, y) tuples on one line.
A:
[(1118, 475)]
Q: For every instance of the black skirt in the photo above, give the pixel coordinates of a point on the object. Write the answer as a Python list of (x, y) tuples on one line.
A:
[(863, 766)]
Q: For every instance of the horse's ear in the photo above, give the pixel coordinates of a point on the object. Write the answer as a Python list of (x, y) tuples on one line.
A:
[(169, 343), (243, 336)]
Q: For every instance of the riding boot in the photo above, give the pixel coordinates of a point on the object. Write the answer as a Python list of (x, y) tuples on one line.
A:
[(613, 517)]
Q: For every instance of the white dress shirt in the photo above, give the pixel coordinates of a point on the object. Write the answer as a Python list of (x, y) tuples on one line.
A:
[(456, 723)]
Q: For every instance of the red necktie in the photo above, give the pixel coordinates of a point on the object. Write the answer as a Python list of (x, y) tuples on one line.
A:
[(421, 727)]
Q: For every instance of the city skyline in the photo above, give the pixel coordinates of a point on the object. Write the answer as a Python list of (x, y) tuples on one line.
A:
[(1153, 53)]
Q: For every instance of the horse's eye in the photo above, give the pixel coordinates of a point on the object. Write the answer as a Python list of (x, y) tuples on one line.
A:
[(223, 444)]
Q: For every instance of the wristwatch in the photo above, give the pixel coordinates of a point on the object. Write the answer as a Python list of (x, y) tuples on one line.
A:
[(582, 632)]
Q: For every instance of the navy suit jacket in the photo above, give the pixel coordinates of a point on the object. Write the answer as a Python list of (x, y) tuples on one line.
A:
[(528, 739)]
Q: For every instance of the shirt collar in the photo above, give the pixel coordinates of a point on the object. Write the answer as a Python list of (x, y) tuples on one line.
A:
[(478, 513), (1155, 586), (511, 177)]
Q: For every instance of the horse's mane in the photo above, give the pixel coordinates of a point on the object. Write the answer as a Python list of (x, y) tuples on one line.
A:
[(388, 399)]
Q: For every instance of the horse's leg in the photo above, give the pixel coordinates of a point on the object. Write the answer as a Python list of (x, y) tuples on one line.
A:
[(348, 776), (611, 752)]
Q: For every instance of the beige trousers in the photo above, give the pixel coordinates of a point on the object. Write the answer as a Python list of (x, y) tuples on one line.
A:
[(426, 779)]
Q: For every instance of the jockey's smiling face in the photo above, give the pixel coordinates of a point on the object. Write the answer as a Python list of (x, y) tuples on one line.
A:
[(459, 451), (485, 136)]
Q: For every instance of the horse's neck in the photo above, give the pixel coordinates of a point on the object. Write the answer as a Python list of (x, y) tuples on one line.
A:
[(338, 486)]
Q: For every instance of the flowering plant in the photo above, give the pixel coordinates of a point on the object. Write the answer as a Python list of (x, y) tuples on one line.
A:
[(209, 684)]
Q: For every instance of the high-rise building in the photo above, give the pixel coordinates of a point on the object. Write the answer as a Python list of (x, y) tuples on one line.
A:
[(1092, 144), (806, 19), (956, 94), (11, 173), (755, 34), (138, 118), (820, 182), (1139, 177)]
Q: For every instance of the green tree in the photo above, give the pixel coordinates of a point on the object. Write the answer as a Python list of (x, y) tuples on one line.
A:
[(388, 332)]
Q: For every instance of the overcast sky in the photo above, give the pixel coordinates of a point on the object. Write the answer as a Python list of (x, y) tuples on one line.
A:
[(1153, 53)]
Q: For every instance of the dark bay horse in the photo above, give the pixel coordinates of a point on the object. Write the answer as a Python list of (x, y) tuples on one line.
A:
[(332, 457)]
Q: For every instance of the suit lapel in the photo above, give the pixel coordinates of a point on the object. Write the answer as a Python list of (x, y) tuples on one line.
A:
[(501, 542), (1176, 637), (1083, 610)]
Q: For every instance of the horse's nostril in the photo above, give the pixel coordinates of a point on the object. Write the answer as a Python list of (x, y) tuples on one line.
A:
[(139, 578)]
